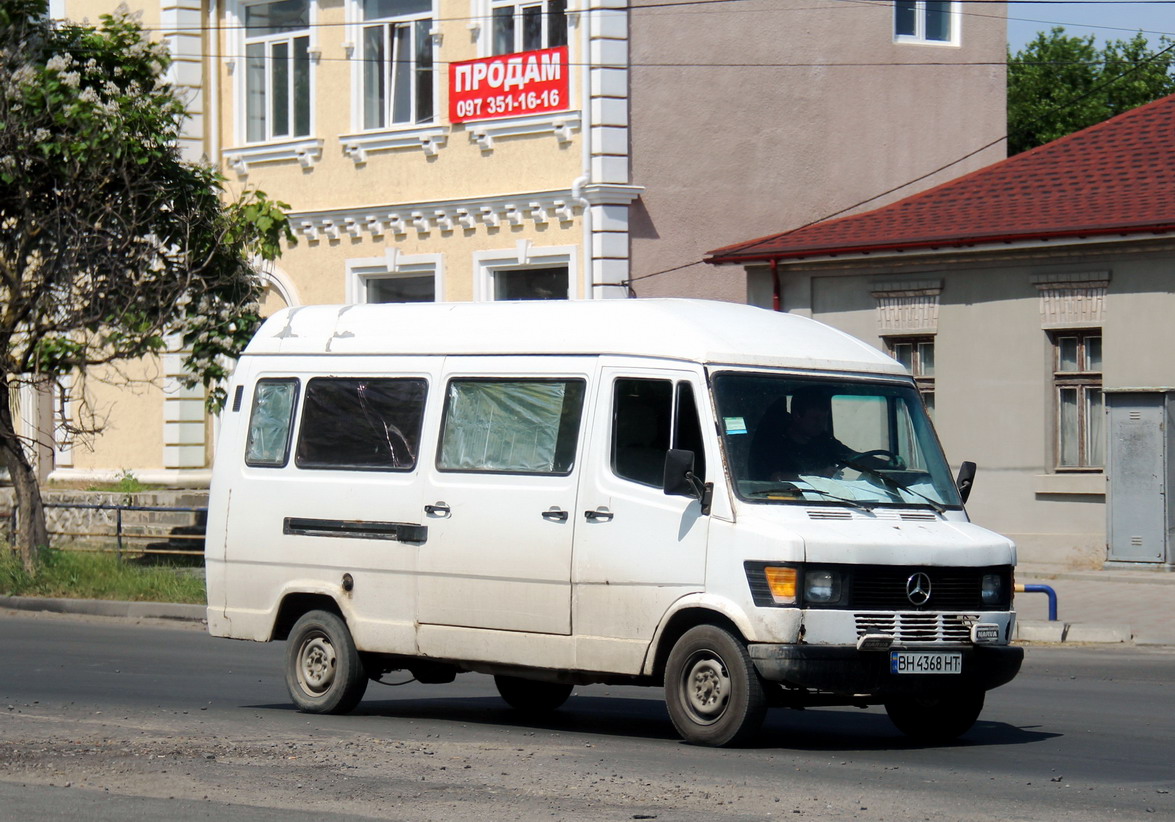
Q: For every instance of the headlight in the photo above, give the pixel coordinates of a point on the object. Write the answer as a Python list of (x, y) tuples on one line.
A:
[(821, 587), (991, 589)]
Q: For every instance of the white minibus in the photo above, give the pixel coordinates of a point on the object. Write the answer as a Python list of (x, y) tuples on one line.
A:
[(748, 508)]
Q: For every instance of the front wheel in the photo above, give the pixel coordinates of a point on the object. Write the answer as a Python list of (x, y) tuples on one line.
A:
[(937, 718), (712, 691), (532, 696), (324, 673)]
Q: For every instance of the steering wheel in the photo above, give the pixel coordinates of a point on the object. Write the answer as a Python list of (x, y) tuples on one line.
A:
[(887, 460)]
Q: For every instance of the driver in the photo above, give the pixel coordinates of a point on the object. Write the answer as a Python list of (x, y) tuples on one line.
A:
[(805, 444)]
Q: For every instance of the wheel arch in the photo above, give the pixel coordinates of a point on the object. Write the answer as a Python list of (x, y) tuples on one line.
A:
[(294, 605), (690, 615)]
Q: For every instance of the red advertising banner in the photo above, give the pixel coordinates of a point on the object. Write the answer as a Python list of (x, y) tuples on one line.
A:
[(509, 85)]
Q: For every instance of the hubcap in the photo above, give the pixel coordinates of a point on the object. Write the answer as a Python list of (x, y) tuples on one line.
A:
[(316, 664), (707, 688)]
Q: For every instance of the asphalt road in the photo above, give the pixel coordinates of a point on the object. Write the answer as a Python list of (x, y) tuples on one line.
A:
[(109, 719)]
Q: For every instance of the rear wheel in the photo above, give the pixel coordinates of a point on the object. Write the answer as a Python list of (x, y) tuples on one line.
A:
[(531, 695), (713, 693), (936, 718), (324, 674)]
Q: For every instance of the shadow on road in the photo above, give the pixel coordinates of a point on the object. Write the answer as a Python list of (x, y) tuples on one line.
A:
[(825, 729)]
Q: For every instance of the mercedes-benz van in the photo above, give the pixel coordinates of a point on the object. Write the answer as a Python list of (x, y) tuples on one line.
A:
[(748, 508)]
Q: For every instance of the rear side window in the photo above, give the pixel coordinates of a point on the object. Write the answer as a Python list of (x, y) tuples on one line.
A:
[(511, 426), (361, 424), (270, 423)]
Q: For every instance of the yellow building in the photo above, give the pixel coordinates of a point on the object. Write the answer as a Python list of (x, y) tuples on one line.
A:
[(537, 149)]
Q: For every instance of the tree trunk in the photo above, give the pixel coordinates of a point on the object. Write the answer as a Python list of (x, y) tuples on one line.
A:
[(32, 533)]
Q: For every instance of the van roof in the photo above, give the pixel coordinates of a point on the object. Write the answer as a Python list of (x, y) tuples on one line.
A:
[(702, 331)]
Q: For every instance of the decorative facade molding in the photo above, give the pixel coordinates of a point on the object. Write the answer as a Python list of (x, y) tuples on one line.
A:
[(184, 419), (306, 152), (440, 216), (907, 306), (562, 125), (429, 140), (1072, 299)]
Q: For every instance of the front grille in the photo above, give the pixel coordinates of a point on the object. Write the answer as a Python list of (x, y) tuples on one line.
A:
[(918, 628), (883, 588), (887, 587)]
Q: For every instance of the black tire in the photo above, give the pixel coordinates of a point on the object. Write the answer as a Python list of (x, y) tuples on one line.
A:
[(713, 693), (532, 696), (324, 674), (936, 718)]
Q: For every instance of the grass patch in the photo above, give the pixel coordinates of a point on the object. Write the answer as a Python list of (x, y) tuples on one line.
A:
[(100, 575)]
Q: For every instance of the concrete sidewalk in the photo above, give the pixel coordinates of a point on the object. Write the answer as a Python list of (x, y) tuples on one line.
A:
[(1109, 605), (1105, 606)]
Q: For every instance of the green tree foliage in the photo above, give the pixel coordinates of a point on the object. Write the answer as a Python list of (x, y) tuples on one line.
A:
[(1059, 84), (111, 244)]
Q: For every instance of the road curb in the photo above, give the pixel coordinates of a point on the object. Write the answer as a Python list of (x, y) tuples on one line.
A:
[(1054, 631), (106, 607)]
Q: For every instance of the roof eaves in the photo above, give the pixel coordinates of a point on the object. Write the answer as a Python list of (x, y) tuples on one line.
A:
[(931, 244)]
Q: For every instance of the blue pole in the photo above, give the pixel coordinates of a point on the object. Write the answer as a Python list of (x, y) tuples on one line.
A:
[(1043, 589)]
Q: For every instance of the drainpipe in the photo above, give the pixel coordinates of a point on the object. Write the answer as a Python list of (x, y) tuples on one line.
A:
[(212, 98), (577, 187), (776, 290)]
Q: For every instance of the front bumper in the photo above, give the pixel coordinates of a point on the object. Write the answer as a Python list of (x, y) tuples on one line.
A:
[(845, 670)]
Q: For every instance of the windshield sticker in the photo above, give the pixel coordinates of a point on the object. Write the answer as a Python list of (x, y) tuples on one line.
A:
[(735, 425)]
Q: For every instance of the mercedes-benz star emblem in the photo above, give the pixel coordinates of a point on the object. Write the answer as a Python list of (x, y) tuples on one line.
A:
[(918, 588)]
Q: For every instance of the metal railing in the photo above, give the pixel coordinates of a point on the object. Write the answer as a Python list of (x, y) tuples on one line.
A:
[(120, 536)]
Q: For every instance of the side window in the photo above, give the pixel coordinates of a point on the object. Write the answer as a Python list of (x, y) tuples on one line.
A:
[(511, 426), (270, 423), (641, 423), (361, 424), (648, 418)]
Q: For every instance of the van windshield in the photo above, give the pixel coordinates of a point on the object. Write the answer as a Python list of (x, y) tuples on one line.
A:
[(803, 440)]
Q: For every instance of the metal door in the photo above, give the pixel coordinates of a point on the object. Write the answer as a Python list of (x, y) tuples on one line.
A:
[(1137, 510)]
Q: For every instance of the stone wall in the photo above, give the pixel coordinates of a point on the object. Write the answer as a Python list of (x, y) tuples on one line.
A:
[(90, 527)]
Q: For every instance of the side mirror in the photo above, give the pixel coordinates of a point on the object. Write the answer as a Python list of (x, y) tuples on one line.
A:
[(680, 480), (965, 480)]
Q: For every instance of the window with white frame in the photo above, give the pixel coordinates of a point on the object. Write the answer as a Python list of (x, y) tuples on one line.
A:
[(277, 70), (394, 278), (1077, 384), (548, 283), (528, 25), (397, 57), (400, 288), (926, 21)]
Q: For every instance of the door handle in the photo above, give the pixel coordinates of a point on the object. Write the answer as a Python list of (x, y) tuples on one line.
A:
[(555, 514), (437, 509), (598, 515)]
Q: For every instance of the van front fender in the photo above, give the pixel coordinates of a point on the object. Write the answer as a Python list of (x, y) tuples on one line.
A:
[(776, 625)]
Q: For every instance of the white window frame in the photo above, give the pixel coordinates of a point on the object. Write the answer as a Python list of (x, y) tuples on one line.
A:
[(520, 7), (919, 35), (356, 46), (239, 66), (487, 264), (392, 265)]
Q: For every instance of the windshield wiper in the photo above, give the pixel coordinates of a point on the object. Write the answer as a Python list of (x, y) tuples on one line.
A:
[(851, 502), (893, 483)]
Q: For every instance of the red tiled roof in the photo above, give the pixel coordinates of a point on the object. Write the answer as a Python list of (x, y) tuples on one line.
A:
[(1114, 178)]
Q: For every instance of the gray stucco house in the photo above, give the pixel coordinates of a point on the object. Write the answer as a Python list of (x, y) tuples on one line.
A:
[(1034, 301)]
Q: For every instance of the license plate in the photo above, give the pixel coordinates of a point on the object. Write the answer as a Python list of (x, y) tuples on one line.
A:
[(924, 662)]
